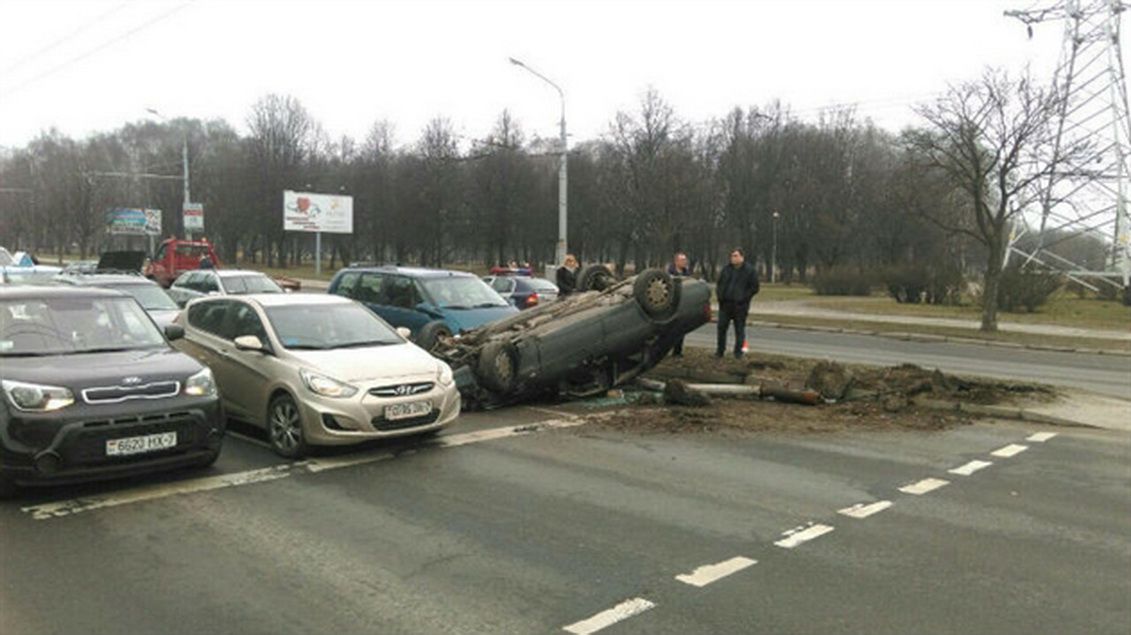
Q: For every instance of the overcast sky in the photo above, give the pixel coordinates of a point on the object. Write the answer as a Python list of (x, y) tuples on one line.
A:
[(93, 65)]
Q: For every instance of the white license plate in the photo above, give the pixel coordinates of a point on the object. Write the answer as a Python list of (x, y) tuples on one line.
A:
[(408, 410), (140, 445)]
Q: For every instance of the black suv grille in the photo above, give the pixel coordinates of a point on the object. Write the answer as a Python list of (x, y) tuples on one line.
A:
[(88, 445), (118, 394), (402, 390)]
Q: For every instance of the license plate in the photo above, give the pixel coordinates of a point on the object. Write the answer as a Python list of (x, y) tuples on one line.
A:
[(408, 410), (140, 445)]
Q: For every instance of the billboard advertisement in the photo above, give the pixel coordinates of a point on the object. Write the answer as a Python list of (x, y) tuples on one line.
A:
[(130, 221), (194, 217), (310, 212)]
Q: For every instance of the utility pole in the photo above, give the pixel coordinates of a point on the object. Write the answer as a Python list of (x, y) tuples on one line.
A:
[(563, 170), (185, 164), (1092, 197)]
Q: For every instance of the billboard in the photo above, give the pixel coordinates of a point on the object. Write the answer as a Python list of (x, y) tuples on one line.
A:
[(193, 217), (309, 212), (130, 221)]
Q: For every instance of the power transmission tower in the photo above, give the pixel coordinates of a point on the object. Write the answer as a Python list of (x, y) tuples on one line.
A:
[(1090, 199)]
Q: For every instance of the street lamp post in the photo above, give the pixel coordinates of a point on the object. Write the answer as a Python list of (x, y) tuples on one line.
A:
[(774, 250), (563, 172), (184, 160)]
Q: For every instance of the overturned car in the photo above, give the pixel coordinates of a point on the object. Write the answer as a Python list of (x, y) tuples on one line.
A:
[(579, 346)]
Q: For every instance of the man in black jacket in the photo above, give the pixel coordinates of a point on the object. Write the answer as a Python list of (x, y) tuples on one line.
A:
[(738, 284)]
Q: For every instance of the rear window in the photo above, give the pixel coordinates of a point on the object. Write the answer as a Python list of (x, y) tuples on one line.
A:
[(238, 285), (541, 284)]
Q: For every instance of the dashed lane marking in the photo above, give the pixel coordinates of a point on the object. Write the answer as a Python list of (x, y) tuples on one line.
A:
[(1010, 450), (970, 468), (70, 507), (803, 534), (924, 486), (864, 510), (709, 573), (1040, 437), (608, 617)]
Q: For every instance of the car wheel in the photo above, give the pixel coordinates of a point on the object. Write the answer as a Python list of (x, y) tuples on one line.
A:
[(497, 368), (595, 278), (8, 488), (284, 427), (657, 293), (432, 334)]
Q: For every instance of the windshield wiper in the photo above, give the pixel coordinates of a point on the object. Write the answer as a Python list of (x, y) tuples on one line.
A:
[(305, 347), (364, 343), (458, 307), (487, 305), (107, 349), (30, 354)]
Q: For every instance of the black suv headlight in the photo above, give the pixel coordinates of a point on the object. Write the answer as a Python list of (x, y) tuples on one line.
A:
[(201, 384), (37, 397)]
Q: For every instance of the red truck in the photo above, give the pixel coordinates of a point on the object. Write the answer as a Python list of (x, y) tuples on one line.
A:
[(175, 256)]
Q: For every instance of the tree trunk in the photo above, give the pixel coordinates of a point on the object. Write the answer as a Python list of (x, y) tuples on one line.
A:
[(990, 283)]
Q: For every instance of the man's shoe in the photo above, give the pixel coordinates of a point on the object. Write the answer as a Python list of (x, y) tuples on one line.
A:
[(738, 354), (718, 355)]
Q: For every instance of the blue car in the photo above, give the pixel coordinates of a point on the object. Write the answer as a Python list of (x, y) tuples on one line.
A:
[(428, 302)]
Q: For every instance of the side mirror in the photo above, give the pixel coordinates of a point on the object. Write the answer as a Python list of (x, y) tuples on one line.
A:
[(288, 290), (249, 343), (403, 332), (174, 332)]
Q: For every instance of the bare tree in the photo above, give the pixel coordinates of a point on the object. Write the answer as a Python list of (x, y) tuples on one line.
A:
[(992, 139)]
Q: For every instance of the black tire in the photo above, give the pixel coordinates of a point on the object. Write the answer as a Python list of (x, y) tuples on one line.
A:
[(284, 427), (657, 293), (497, 368), (8, 488), (428, 337), (595, 278)]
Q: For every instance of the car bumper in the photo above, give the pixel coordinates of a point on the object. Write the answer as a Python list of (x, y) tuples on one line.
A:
[(42, 449), (341, 422)]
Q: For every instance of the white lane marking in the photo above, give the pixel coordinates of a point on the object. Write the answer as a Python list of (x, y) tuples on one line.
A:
[(608, 617), (59, 509), (551, 411), (1040, 437), (161, 490), (1010, 450), (251, 440), (864, 510), (802, 534), (709, 573), (923, 486), (970, 468)]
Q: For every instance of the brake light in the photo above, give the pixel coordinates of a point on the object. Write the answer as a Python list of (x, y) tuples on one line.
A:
[(532, 299)]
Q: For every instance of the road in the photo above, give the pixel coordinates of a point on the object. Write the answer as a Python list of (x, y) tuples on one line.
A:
[(523, 521), (1104, 374)]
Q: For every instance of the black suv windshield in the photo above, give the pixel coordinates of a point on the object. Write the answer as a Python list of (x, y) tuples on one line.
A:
[(62, 326), (460, 292), (321, 326), (150, 296)]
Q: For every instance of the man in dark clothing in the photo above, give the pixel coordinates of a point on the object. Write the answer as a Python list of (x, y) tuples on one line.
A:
[(567, 276), (738, 284), (679, 269)]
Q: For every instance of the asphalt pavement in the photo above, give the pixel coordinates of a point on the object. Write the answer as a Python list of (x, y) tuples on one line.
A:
[(527, 520), (1104, 374)]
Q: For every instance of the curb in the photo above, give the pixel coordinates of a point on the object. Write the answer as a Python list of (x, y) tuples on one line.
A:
[(931, 338), (1004, 412)]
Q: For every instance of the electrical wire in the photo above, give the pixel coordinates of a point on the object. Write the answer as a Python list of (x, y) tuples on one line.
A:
[(66, 38)]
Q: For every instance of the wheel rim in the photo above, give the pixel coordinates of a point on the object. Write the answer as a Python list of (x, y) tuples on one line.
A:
[(659, 294), (286, 430), (503, 367)]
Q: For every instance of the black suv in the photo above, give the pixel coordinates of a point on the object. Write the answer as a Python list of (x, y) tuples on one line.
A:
[(91, 389)]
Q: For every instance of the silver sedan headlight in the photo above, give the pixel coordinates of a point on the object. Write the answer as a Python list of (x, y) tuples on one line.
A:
[(444, 374), (326, 386)]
